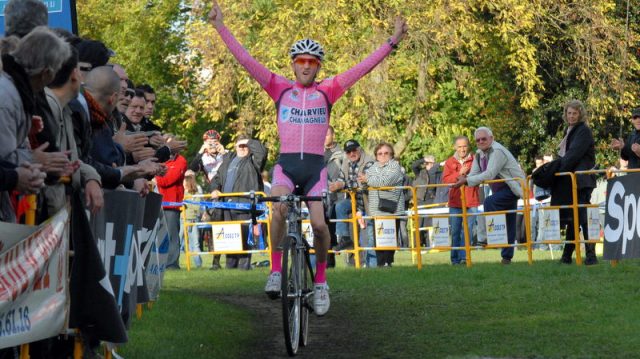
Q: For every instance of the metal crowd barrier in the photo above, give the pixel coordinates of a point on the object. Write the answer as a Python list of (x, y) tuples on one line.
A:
[(186, 225)]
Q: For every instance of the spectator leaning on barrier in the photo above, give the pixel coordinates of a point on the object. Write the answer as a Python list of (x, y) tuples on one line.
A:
[(27, 70), (576, 153), (630, 149), (355, 163), (240, 172), (385, 172), (60, 92), (494, 161), (459, 165), (171, 186)]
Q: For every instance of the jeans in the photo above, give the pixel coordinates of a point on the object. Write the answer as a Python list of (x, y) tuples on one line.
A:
[(173, 227), (457, 234), (504, 200), (370, 259), (343, 211), (194, 242)]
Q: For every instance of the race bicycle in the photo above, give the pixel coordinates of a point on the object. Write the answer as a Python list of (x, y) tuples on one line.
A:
[(297, 274)]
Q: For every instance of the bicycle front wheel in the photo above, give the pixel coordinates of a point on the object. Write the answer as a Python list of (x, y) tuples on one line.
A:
[(307, 294), (291, 298)]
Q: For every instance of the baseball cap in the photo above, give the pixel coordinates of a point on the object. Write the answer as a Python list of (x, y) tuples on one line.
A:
[(635, 113), (351, 145)]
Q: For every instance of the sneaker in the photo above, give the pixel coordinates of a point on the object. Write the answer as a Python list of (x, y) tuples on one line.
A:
[(273, 286), (215, 266), (321, 300), (505, 261)]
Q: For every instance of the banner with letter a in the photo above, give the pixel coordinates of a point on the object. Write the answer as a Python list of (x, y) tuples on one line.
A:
[(157, 257), (33, 280), (622, 218)]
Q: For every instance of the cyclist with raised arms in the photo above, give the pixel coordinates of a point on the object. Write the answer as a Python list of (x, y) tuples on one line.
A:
[(303, 108)]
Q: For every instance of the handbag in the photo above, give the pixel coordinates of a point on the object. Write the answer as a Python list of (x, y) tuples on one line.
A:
[(387, 205)]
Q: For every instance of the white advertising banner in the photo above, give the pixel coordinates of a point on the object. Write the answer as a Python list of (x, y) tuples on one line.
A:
[(496, 229), (550, 225), (593, 217), (33, 280), (307, 232), (385, 233), (441, 235), (227, 237)]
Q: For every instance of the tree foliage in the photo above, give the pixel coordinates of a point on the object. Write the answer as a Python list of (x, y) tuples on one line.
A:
[(507, 64)]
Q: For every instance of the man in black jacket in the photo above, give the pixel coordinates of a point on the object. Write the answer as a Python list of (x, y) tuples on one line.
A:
[(630, 149), (240, 172)]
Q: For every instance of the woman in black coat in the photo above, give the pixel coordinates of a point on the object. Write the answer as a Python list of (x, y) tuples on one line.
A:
[(577, 153)]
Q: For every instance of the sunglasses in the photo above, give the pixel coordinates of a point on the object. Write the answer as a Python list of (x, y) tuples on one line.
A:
[(130, 93), (383, 153), (242, 146), (303, 62), (85, 68), (481, 139)]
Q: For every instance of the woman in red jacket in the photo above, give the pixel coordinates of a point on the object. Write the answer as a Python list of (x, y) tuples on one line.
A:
[(171, 187)]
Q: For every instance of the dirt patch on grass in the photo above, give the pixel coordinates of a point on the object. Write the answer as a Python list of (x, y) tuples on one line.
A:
[(331, 336)]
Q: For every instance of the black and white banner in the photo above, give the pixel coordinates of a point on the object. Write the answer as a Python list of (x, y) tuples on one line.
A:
[(116, 228), (622, 218)]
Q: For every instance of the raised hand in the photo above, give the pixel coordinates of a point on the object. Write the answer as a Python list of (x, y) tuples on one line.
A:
[(215, 15), (401, 29), (617, 144)]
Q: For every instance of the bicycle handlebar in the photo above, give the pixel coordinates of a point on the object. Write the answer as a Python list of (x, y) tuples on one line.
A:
[(288, 198)]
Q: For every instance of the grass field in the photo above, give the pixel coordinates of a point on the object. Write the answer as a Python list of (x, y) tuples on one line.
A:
[(546, 310)]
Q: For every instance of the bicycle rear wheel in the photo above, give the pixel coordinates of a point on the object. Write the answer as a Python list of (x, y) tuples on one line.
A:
[(291, 299), (307, 294)]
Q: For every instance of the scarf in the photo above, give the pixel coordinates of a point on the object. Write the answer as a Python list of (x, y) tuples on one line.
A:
[(97, 115), (563, 144)]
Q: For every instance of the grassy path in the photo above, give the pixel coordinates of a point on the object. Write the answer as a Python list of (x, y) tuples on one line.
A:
[(546, 310)]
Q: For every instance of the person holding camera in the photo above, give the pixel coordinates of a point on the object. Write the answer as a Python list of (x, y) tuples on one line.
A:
[(209, 157)]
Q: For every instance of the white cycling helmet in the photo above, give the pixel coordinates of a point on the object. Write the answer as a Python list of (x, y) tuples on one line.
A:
[(306, 46)]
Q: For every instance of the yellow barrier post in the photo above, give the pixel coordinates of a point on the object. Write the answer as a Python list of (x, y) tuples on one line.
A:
[(526, 213), (185, 230), (415, 218), (356, 228), (24, 351), (465, 228), (576, 224), (78, 347), (30, 219)]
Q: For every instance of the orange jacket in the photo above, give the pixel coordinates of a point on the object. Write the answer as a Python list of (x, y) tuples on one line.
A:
[(451, 172)]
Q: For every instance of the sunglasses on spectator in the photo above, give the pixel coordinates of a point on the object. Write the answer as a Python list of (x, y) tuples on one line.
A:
[(243, 145), (383, 153), (303, 62), (85, 68), (482, 139), (130, 93)]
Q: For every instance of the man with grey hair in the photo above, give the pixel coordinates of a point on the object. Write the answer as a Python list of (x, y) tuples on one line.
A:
[(22, 16), (27, 70), (494, 161)]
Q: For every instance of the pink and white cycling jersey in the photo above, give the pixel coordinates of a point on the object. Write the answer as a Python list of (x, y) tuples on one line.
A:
[(303, 112)]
